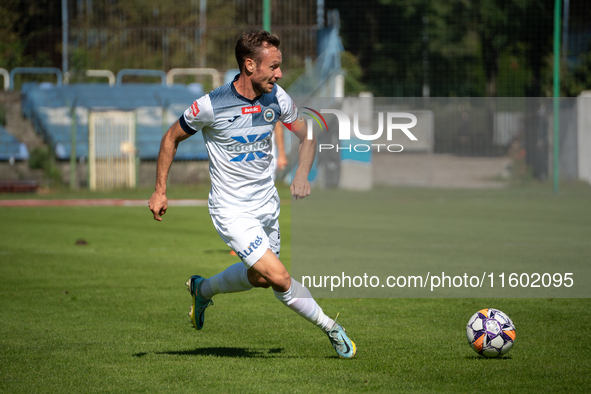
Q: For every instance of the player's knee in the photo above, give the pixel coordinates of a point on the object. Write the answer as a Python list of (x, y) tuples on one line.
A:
[(282, 280), (287, 279), (278, 280)]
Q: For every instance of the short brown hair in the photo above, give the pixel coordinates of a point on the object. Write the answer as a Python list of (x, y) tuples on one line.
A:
[(249, 45)]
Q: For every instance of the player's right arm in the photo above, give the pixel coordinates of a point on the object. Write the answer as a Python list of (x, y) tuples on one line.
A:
[(198, 115), (170, 141)]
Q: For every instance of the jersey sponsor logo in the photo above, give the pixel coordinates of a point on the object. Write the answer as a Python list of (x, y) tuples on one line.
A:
[(251, 110), (233, 119), (249, 156), (251, 138), (253, 245), (250, 146), (195, 108), (269, 115)]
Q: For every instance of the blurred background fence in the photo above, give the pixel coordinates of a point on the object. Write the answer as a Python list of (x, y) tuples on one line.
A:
[(389, 48), (147, 34), (395, 48)]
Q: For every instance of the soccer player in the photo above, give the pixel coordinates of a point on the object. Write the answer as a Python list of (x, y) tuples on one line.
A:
[(236, 121)]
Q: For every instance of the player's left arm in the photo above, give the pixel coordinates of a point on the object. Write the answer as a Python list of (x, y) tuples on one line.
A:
[(280, 144), (300, 187)]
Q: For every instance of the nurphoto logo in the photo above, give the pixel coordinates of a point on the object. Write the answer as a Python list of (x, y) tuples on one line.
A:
[(344, 130)]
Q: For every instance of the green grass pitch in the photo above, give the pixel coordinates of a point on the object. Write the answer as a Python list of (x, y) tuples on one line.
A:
[(111, 316)]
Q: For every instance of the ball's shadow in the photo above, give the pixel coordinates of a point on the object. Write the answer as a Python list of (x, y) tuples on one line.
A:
[(478, 357)]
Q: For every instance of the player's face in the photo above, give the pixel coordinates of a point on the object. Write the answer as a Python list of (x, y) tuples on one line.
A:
[(268, 71)]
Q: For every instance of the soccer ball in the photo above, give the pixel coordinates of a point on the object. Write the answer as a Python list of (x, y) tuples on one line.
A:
[(490, 332)]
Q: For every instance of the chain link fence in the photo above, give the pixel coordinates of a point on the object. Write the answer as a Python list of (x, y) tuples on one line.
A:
[(147, 34)]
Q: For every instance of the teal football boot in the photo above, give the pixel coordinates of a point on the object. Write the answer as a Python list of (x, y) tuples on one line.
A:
[(200, 303), (344, 347)]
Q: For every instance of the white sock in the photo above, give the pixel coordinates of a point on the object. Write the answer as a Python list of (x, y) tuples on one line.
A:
[(231, 280), (299, 299)]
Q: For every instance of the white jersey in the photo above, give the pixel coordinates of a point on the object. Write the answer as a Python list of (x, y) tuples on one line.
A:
[(238, 137)]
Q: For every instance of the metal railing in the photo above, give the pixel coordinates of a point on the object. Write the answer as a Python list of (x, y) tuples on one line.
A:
[(35, 70), (144, 73), (215, 75), (102, 73), (6, 76)]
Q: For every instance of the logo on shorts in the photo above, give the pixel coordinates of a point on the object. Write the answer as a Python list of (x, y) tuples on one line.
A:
[(253, 245), (269, 115)]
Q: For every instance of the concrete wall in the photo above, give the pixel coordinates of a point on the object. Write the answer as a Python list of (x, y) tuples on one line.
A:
[(181, 172), (584, 135)]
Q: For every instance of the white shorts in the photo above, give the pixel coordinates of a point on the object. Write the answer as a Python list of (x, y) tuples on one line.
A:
[(250, 234)]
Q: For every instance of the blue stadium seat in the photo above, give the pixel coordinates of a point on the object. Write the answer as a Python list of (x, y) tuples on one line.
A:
[(10, 147), (48, 108)]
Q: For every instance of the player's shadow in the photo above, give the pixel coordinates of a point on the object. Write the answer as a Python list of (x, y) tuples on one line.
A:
[(233, 352)]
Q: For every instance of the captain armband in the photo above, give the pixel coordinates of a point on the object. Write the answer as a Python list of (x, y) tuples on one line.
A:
[(295, 126)]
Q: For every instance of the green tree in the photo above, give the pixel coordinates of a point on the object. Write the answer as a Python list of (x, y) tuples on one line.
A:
[(12, 46), (458, 47), (578, 78)]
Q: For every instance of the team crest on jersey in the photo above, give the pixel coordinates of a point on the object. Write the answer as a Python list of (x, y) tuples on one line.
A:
[(195, 108), (269, 115)]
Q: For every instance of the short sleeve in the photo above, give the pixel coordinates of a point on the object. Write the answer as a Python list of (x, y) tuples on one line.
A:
[(197, 116), (289, 110)]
